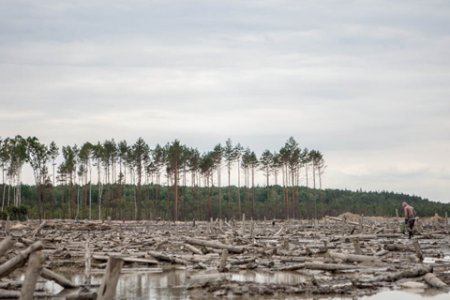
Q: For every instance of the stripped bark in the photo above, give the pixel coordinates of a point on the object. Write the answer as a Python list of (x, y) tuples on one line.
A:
[(31, 275), (19, 260), (107, 289), (347, 257), (434, 281), (37, 230), (5, 245), (167, 258), (214, 244), (59, 279), (223, 261)]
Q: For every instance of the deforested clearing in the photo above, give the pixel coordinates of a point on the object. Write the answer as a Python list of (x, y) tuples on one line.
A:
[(345, 256)]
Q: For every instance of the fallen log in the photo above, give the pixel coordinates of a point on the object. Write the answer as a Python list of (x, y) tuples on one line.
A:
[(414, 272), (127, 259), (11, 294), (5, 245), (19, 260), (59, 279), (82, 296), (37, 230), (347, 257), (11, 285), (193, 249), (434, 281), (318, 266), (215, 244), (242, 261), (292, 267), (167, 258), (399, 247)]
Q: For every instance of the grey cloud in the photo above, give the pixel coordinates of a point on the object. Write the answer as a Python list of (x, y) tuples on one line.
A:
[(358, 80)]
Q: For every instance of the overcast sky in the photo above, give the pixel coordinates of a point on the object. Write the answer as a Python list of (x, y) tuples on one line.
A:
[(365, 82)]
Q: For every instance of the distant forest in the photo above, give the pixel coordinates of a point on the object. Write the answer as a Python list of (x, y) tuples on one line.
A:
[(177, 182), (202, 203)]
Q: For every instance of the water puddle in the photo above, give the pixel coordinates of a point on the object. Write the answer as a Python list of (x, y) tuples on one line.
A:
[(398, 295), (173, 285)]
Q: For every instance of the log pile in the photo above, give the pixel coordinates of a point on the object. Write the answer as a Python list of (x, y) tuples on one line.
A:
[(335, 255)]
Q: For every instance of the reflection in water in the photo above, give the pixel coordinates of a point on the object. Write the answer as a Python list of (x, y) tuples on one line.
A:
[(399, 295), (290, 278), (173, 285), (149, 286)]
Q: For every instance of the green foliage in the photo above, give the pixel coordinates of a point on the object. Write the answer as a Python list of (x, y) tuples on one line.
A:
[(15, 213), (203, 202)]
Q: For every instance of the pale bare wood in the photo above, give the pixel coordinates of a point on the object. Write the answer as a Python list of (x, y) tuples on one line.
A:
[(354, 257), (412, 272), (5, 245), (399, 247), (38, 229), (434, 281), (215, 244), (167, 258), (193, 249), (418, 250), (88, 260), (357, 246), (8, 294), (19, 260), (127, 259), (223, 261), (319, 266), (107, 289), (59, 279), (31, 276)]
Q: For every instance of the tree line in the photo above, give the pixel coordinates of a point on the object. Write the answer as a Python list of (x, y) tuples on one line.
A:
[(194, 203), (174, 178)]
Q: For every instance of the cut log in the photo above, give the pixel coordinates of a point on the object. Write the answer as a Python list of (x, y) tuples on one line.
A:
[(5, 245), (167, 258), (19, 260), (347, 257), (215, 244), (242, 261), (59, 279), (414, 272), (82, 296), (223, 261), (128, 259), (292, 267), (418, 250), (399, 247), (87, 263), (279, 231), (357, 246), (32, 273), (107, 289), (10, 294), (434, 281), (193, 249), (37, 230), (318, 266), (329, 267), (381, 253)]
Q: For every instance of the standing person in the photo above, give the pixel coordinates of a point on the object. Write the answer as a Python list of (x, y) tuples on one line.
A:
[(410, 218)]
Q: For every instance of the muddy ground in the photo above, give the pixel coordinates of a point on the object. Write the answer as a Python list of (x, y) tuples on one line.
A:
[(348, 255)]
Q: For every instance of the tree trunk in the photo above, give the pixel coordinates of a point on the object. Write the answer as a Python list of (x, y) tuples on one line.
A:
[(107, 289), (17, 261), (31, 275)]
